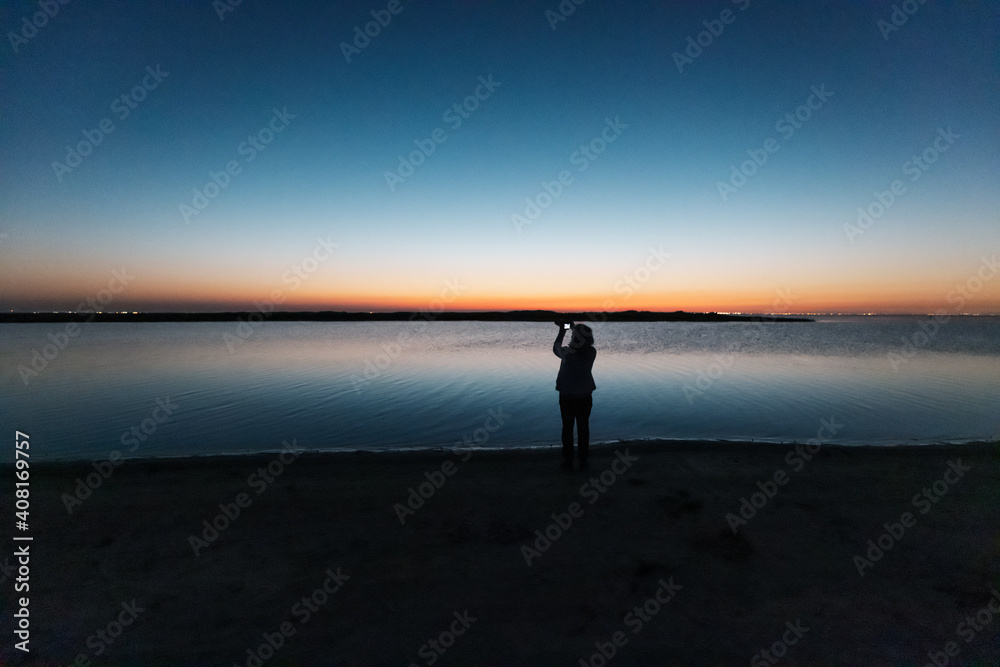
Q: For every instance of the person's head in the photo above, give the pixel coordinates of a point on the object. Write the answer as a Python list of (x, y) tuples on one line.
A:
[(582, 336)]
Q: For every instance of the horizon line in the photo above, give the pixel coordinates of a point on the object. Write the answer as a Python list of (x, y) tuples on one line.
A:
[(383, 311)]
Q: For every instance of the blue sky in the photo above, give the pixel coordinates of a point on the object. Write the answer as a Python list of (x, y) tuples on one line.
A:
[(346, 124)]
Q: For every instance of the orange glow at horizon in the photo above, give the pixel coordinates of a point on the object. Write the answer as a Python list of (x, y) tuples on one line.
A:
[(348, 288), (828, 301)]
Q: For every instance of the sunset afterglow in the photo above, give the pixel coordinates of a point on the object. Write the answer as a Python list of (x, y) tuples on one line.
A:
[(477, 156)]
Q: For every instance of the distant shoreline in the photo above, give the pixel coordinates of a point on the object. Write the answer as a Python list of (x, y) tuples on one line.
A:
[(344, 316)]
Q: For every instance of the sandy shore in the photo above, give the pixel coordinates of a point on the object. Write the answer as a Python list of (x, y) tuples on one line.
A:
[(324, 561)]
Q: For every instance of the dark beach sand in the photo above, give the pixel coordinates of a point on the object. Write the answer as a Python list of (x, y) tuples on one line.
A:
[(662, 519)]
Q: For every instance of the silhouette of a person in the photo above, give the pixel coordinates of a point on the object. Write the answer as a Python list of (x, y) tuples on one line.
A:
[(575, 384)]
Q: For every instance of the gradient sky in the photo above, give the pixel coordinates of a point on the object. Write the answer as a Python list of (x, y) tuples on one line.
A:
[(776, 244)]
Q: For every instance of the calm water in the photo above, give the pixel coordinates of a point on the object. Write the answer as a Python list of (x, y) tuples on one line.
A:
[(307, 381)]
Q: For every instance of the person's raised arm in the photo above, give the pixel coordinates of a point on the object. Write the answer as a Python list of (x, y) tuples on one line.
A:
[(557, 346)]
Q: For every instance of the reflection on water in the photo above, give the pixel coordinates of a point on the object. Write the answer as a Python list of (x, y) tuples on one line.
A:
[(354, 385)]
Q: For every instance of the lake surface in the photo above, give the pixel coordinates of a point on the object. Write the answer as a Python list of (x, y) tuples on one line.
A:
[(384, 385)]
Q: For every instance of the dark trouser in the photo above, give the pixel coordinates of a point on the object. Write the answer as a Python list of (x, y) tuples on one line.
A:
[(575, 408)]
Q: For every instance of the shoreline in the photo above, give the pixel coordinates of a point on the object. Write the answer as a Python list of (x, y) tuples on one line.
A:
[(652, 444)]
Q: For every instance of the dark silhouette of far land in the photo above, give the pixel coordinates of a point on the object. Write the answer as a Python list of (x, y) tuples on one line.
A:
[(343, 316)]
